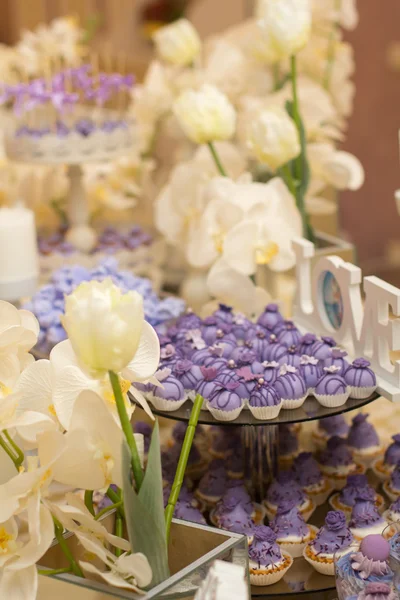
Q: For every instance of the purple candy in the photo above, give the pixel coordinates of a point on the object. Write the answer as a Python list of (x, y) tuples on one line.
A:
[(264, 395), (172, 389), (288, 334), (359, 375), (224, 314), (188, 374), (270, 371), (290, 385), (274, 351), (291, 358), (225, 399), (322, 348), (306, 344), (331, 383), (310, 371)]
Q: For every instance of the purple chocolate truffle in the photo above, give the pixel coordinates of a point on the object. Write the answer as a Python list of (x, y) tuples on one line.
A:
[(225, 399), (306, 344), (310, 371), (291, 358), (288, 334), (322, 348), (361, 378), (331, 383), (271, 371), (290, 385), (270, 318), (274, 350), (171, 389), (337, 359), (264, 395), (224, 314), (188, 374), (362, 434)]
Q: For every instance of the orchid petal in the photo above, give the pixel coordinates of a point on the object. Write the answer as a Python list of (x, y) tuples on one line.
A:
[(147, 357)]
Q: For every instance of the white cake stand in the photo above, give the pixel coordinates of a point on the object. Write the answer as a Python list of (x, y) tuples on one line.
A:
[(74, 150)]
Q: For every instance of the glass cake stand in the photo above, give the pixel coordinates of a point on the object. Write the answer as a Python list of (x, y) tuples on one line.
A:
[(260, 440)]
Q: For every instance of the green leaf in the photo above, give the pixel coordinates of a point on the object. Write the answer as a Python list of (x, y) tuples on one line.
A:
[(144, 511)]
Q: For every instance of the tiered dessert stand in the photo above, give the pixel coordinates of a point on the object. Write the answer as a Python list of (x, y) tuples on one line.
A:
[(260, 438)]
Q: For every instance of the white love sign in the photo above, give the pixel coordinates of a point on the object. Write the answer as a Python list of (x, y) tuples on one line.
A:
[(365, 326)]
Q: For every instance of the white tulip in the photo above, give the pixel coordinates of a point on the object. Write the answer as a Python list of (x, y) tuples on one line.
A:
[(273, 138), (205, 115), (178, 43), (104, 326), (286, 25)]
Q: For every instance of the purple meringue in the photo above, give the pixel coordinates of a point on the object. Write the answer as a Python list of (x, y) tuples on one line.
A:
[(336, 453), (352, 490), (335, 425), (285, 487), (235, 518)]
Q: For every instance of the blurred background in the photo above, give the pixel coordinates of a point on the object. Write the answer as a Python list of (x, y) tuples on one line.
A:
[(368, 217)]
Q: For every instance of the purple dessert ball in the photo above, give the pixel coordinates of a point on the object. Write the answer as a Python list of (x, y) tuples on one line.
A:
[(288, 334), (322, 348), (188, 374), (270, 371), (270, 318), (331, 383), (224, 314), (274, 350), (290, 385), (291, 357), (225, 399), (172, 389), (359, 374), (264, 395), (337, 359), (310, 371), (375, 547), (306, 344)]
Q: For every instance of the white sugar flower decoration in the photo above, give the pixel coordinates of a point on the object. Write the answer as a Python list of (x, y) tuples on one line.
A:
[(205, 115), (178, 43)]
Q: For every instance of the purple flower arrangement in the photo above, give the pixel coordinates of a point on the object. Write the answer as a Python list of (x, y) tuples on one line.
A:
[(48, 303)]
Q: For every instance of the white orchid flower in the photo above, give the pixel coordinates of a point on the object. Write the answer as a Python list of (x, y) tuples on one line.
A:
[(19, 330), (235, 289), (20, 553), (331, 167), (91, 456), (28, 423), (129, 571)]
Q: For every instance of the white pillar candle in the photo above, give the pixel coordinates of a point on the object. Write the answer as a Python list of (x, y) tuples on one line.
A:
[(19, 261)]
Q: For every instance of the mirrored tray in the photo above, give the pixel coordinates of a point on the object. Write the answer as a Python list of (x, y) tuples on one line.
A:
[(310, 411)]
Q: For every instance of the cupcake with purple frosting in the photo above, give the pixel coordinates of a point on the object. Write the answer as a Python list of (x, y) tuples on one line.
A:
[(364, 441), (365, 518), (331, 540), (360, 378), (168, 396), (393, 512), (384, 467), (391, 487), (309, 476), (337, 462), (213, 483), (265, 402), (291, 530), (283, 488), (346, 499), (267, 562), (291, 387), (329, 427), (233, 517)]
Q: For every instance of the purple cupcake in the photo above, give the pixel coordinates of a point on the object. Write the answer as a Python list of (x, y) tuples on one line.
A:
[(331, 540), (270, 318), (391, 487), (285, 488), (337, 359), (267, 562), (212, 485), (329, 427), (309, 476), (291, 530), (331, 390), (186, 512), (363, 440), (337, 462), (365, 518), (233, 517), (383, 467), (356, 486), (291, 387), (360, 378)]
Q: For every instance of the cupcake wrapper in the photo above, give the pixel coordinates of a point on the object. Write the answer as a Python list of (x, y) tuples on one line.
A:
[(234, 475), (332, 401), (191, 394), (296, 549), (213, 518), (167, 405), (271, 578), (296, 403), (360, 393), (265, 413), (320, 567), (224, 415), (366, 459), (382, 475), (391, 494), (260, 513)]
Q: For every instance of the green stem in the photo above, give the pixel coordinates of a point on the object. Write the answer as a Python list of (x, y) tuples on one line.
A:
[(217, 160), (89, 501), (49, 572), (183, 459), (15, 447), (59, 530), (108, 509), (119, 529), (9, 452), (127, 429), (114, 497), (288, 179)]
